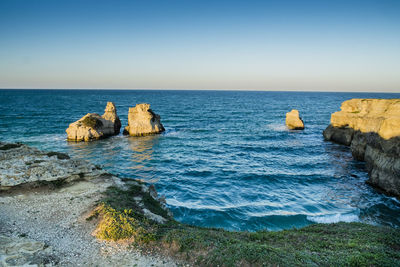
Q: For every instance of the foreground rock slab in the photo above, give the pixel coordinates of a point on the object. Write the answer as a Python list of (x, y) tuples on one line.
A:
[(23, 165), (371, 127), (143, 121), (293, 120), (21, 251), (92, 126)]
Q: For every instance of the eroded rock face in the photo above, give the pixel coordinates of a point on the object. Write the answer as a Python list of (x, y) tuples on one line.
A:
[(92, 126), (23, 165), (293, 120), (143, 121), (371, 127)]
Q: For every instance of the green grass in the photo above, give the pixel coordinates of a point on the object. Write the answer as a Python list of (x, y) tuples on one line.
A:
[(340, 244), (90, 121), (116, 225)]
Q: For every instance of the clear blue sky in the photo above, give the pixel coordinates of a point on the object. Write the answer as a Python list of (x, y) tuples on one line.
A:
[(255, 45)]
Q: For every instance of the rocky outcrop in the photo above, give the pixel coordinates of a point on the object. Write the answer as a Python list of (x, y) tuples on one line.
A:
[(293, 120), (371, 127), (92, 126), (143, 121), (22, 165)]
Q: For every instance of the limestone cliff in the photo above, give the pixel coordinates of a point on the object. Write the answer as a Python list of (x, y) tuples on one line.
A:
[(371, 127), (143, 121), (92, 126)]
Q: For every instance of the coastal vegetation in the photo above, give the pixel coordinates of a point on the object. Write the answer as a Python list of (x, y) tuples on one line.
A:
[(92, 122), (92, 126), (340, 244)]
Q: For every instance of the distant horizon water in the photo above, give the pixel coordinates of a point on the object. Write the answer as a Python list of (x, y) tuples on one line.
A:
[(226, 158), (394, 91)]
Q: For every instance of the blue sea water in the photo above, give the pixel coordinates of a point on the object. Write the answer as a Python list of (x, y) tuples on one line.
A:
[(226, 159)]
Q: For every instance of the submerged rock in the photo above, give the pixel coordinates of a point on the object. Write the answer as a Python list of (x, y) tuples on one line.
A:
[(92, 126), (293, 120), (371, 127), (143, 121)]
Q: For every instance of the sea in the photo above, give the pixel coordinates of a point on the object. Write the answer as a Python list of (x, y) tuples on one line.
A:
[(226, 159)]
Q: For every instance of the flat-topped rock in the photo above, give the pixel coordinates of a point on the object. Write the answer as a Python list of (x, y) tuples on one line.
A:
[(381, 116), (293, 120), (92, 126), (371, 127), (143, 121)]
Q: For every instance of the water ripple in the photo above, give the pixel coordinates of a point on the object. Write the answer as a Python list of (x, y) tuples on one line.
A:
[(226, 158)]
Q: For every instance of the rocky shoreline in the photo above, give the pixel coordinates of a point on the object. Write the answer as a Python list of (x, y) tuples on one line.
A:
[(45, 198), (371, 127), (56, 211)]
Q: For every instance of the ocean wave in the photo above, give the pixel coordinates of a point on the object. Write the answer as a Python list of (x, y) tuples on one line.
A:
[(277, 127), (334, 218), (173, 202)]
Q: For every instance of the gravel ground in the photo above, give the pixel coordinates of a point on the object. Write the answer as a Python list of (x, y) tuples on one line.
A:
[(48, 227)]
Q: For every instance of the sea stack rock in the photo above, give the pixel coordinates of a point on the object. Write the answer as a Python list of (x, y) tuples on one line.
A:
[(371, 127), (92, 126), (143, 121), (293, 120), (110, 114)]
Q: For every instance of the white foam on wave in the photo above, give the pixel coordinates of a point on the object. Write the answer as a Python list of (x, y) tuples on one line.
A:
[(222, 207), (172, 133), (334, 218), (277, 127)]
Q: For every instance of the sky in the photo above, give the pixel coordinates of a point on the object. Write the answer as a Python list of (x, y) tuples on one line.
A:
[(303, 45)]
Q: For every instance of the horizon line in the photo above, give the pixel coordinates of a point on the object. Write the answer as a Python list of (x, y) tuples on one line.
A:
[(230, 90)]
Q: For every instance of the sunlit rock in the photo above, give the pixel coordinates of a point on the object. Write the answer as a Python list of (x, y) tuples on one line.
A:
[(143, 121), (92, 126), (110, 114), (293, 120), (381, 116)]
